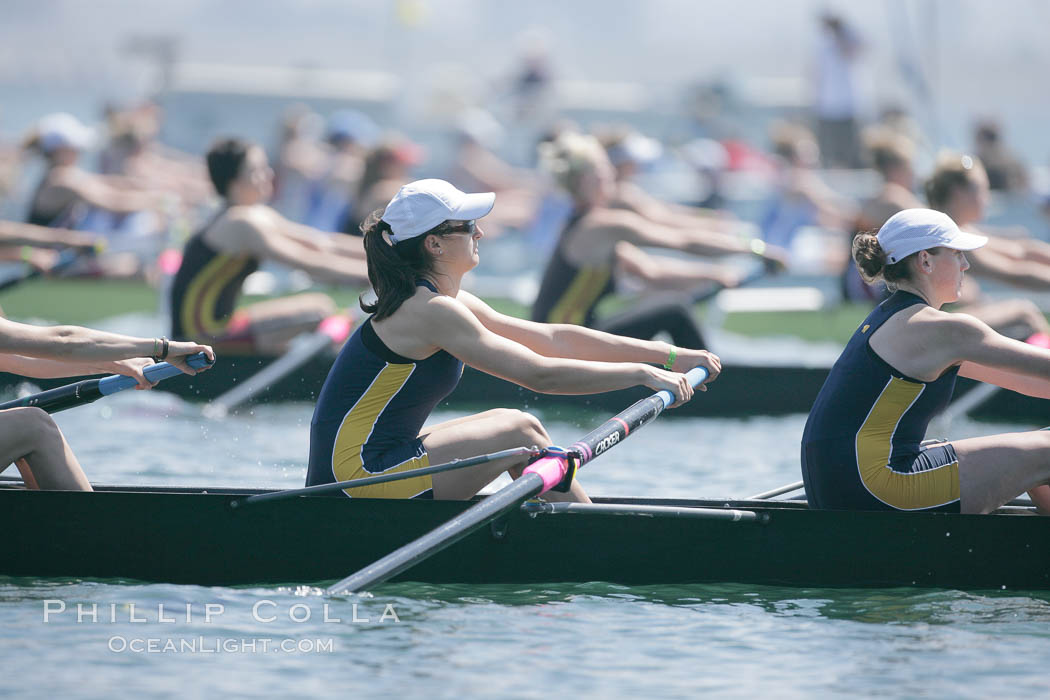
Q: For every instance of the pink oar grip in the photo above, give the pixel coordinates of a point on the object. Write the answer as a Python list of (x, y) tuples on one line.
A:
[(336, 327), (551, 469), (1040, 340)]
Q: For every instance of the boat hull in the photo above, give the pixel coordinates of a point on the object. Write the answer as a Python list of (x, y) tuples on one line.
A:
[(188, 536)]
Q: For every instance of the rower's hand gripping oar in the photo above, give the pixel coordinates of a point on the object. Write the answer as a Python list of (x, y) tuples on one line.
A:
[(88, 390), (302, 349), (546, 473)]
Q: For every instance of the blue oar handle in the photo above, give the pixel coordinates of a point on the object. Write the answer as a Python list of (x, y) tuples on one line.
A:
[(696, 377), (154, 373)]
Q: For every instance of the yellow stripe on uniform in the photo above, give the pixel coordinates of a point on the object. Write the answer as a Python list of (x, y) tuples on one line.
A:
[(355, 430), (925, 489), (204, 291), (580, 296)]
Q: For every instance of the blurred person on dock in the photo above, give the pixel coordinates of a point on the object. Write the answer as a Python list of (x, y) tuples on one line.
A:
[(835, 107)]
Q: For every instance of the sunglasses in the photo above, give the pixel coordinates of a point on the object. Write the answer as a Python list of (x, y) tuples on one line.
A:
[(467, 227)]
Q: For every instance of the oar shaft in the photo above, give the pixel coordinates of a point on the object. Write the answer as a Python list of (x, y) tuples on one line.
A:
[(321, 489), (444, 536)]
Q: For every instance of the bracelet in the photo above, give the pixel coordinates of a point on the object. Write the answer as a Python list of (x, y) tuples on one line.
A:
[(156, 348), (164, 348), (671, 357)]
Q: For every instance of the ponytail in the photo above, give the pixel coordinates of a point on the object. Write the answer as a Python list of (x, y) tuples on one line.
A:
[(871, 261), (392, 269)]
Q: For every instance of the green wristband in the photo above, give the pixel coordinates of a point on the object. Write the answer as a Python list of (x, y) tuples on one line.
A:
[(671, 357)]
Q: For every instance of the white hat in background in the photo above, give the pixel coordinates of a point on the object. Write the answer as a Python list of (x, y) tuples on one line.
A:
[(63, 130), (421, 205), (912, 230), (635, 148)]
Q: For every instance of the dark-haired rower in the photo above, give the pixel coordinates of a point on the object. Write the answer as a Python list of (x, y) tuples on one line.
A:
[(218, 258), (862, 447), (409, 355)]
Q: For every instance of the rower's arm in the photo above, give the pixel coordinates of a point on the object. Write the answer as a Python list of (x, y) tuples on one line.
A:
[(338, 243), (451, 325), (100, 193), (86, 345), (45, 369), (1022, 273), (670, 273), (622, 225), (568, 341), (28, 234), (990, 357), (263, 238)]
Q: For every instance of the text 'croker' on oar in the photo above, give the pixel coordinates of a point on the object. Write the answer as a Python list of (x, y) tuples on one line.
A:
[(331, 331), (556, 470), (88, 390)]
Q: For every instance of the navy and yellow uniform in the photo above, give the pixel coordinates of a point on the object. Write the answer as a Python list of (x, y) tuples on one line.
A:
[(570, 294), (861, 449), (204, 294), (369, 414)]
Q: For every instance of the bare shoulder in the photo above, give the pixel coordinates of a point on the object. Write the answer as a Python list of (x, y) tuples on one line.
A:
[(948, 326), (240, 225)]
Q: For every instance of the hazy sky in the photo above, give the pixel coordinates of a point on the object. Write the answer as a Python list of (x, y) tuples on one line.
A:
[(979, 56)]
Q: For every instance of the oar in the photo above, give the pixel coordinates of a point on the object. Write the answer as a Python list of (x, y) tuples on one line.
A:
[(786, 488), (88, 390), (539, 477), (301, 350), (387, 478)]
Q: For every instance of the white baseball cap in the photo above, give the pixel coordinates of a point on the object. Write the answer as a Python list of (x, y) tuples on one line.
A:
[(912, 230), (63, 130), (421, 205)]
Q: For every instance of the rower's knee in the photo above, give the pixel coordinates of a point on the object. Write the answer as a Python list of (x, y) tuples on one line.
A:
[(33, 427), (527, 426)]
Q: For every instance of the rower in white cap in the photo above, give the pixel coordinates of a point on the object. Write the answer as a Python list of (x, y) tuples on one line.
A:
[(863, 444), (409, 355)]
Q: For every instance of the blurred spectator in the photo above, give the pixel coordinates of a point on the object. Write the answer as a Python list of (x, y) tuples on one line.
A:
[(630, 153), (387, 167), (349, 135), (300, 160), (838, 51), (1006, 172), (801, 197), (477, 168), (892, 155)]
